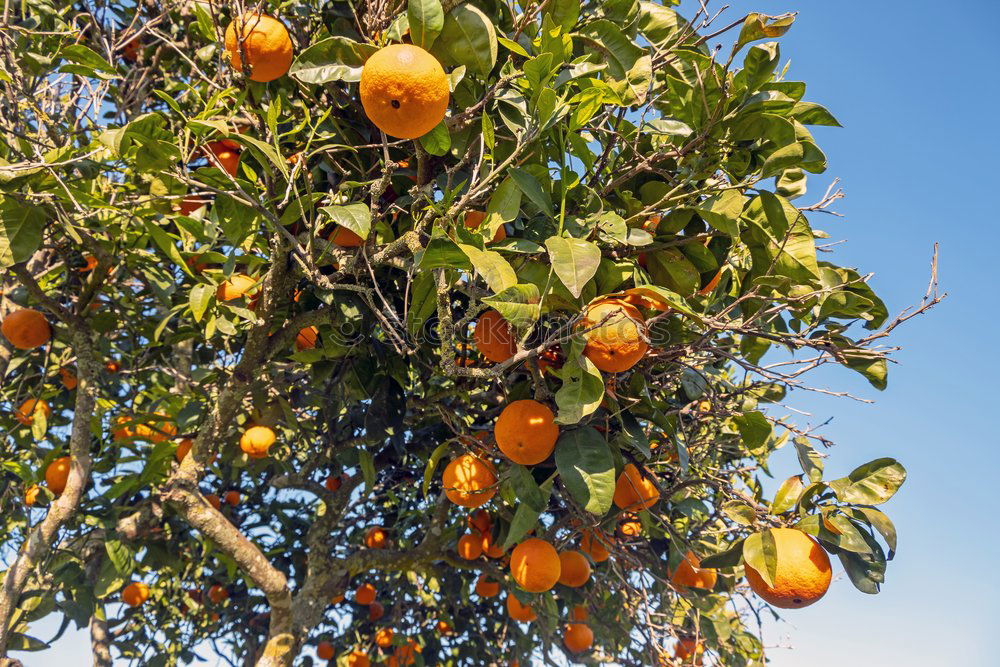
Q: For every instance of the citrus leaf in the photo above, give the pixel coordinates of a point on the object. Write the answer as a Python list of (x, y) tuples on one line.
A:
[(587, 468), (761, 554), (871, 484), (426, 20), (575, 261), (495, 270), (20, 231), (332, 59), (468, 38), (355, 217)]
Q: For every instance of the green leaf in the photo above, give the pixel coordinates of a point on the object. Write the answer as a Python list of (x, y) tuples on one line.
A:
[(575, 261), (670, 268), (21, 227), (761, 26), (761, 554), (18, 641), (426, 20), (166, 244), (438, 140), (871, 484), (869, 364), (504, 206), (423, 302), (527, 512), (531, 189), (563, 13), (587, 468), (730, 557), (355, 217), (432, 464), (658, 23), (83, 55), (739, 512), (881, 523), (780, 236), (121, 557), (754, 429), (628, 64), (332, 59), (808, 113), (367, 464), (582, 387), (787, 495), (722, 211), (526, 488), (866, 571), (495, 270), (199, 299), (468, 38), (810, 460), (519, 304)]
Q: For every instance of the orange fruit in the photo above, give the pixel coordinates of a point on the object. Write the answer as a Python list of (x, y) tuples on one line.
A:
[(31, 494), (469, 481), (324, 651), (112, 366), (520, 612), (183, 449), (470, 547), (594, 546), (688, 648), (256, 440), (265, 42), (480, 521), (336, 599), (213, 500), (26, 329), (803, 571), (232, 498), (25, 413), (494, 337), (135, 594), (535, 565), (375, 611), (218, 594), (306, 338), (574, 569), (404, 91), (633, 491), (158, 427), (630, 526), (68, 378), (221, 156), (364, 594), (345, 238), (376, 538), (526, 432), (577, 637), (618, 341), (238, 285), (486, 588), (406, 655), (90, 264), (444, 628), (130, 51), (192, 203), (56, 474), (490, 548), (578, 613), (689, 574), (357, 658), (333, 482), (383, 637), (473, 219)]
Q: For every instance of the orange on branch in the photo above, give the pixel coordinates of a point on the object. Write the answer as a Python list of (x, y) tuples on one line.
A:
[(256, 441), (473, 220), (618, 340), (404, 91), (690, 574), (236, 287), (375, 611), (491, 548), (357, 658), (577, 637), (574, 569), (689, 649), (31, 494), (306, 338), (469, 481), (364, 594), (221, 156), (470, 547), (486, 587), (480, 521), (376, 538), (68, 378), (265, 42), (594, 546), (218, 594), (232, 498), (135, 594), (519, 612), (803, 571), (26, 329), (213, 500), (535, 565), (526, 432), (57, 474), (633, 491), (383, 638), (579, 613), (25, 413), (324, 650), (157, 428), (345, 238), (494, 337), (444, 628), (333, 482)]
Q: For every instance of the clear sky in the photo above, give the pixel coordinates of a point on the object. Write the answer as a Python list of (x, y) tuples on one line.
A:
[(915, 85)]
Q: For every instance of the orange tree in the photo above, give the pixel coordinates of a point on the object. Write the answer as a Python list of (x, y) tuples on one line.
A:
[(427, 332)]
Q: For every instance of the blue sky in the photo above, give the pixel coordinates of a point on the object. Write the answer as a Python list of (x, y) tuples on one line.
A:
[(914, 83)]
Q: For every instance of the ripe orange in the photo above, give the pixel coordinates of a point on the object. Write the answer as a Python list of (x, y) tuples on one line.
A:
[(526, 432), (157, 428), (470, 547), (192, 203), (803, 571), (480, 521), (520, 612), (68, 378), (405, 655), (256, 440), (486, 588), (218, 594), (183, 449), (130, 51), (577, 637), (25, 413), (357, 658), (473, 219), (491, 548), (594, 546), (383, 638), (234, 288), (364, 594), (630, 526), (688, 648), (494, 337), (690, 574), (135, 594), (333, 482), (112, 366), (469, 481), (221, 156), (618, 341), (376, 538), (31, 494), (535, 565), (345, 238), (578, 613), (306, 338), (574, 569), (26, 329), (56, 474), (324, 651), (265, 42), (232, 498), (213, 500), (404, 91), (633, 491), (337, 599), (444, 628), (375, 611)]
